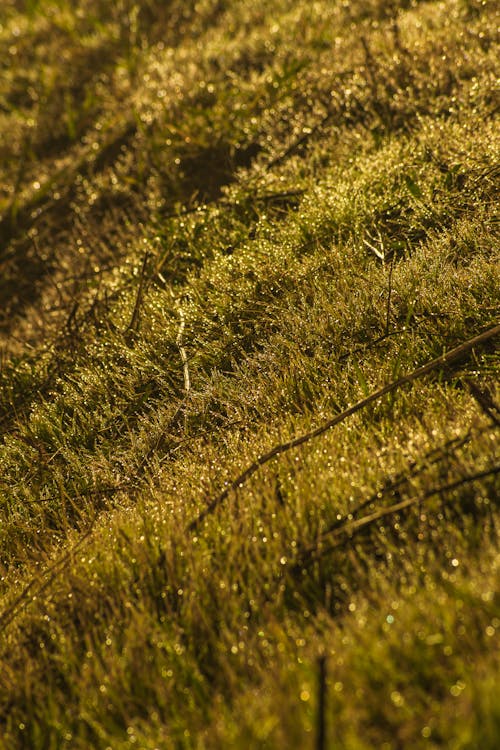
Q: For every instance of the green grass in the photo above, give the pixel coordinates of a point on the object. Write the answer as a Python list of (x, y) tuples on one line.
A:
[(221, 225)]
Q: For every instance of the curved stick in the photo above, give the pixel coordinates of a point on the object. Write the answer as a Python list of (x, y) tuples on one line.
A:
[(445, 359)]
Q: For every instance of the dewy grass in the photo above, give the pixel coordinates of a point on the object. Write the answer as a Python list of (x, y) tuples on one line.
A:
[(214, 239)]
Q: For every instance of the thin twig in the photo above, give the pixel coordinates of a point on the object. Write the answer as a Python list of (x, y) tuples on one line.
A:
[(52, 572), (322, 700), (380, 255), (415, 468), (389, 294), (134, 321), (445, 359), (348, 530), (370, 344), (392, 487), (182, 352), (485, 401)]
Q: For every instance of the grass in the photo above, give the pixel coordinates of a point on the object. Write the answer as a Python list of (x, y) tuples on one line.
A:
[(215, 240)]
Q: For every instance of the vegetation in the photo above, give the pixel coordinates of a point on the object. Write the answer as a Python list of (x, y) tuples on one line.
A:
[(223, 224)]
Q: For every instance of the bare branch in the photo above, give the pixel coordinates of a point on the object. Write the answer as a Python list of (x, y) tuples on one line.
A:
[(348, 530), (445, 359)]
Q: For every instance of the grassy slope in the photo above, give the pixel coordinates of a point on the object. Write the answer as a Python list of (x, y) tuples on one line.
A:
[(290, 206)]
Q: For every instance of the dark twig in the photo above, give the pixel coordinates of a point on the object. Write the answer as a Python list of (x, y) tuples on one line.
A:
[(415, 468), (370, 344), (182, 352), (485, 401), (321, 716), (391, 487), (349, 529), (389, 294), (134, 321), (445, 359)]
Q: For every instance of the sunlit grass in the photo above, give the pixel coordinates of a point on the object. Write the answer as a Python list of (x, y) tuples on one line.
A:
[(222, 224)]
